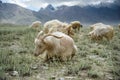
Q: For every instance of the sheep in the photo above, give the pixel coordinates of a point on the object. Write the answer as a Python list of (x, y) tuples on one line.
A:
[(93, 36), (101, 30), (92, 27), (56, 44), (52, 26), (56, 25), (76, 25), (35, 25)]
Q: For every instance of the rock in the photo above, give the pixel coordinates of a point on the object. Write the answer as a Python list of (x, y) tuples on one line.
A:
[(61, 78), (53, 78), (69, 77), (96, 57), (14, 73), (34, 67), (45, 68), (109, 76)]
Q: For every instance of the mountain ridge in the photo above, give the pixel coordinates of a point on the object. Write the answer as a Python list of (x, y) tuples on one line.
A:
[(12, 13)]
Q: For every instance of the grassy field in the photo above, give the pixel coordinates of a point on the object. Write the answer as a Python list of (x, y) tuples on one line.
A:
[(94, 61)]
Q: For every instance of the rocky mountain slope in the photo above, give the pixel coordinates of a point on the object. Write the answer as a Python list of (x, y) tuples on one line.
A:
[(12, 13)]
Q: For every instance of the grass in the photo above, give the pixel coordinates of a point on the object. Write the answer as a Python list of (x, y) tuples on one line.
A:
[(94, 61)]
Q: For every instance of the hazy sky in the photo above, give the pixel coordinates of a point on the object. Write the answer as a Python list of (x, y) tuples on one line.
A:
[(37, 4)]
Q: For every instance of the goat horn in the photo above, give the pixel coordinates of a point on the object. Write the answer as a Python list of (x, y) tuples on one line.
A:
[(50, 35)]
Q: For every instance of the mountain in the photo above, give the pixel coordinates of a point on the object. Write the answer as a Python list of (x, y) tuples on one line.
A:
[(47, 12), (12, 13), (87, 14), (50, 8)]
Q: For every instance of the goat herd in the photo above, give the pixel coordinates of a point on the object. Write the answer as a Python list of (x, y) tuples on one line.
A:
[(56, 38)]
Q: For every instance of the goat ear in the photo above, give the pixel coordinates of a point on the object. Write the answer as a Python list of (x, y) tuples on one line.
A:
[(36, 41), (68, 27), (44, 39), (40, 34), (69, 30), (48, 42), (81, 25)]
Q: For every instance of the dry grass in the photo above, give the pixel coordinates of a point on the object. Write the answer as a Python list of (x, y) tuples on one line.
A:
[(94, 61)]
